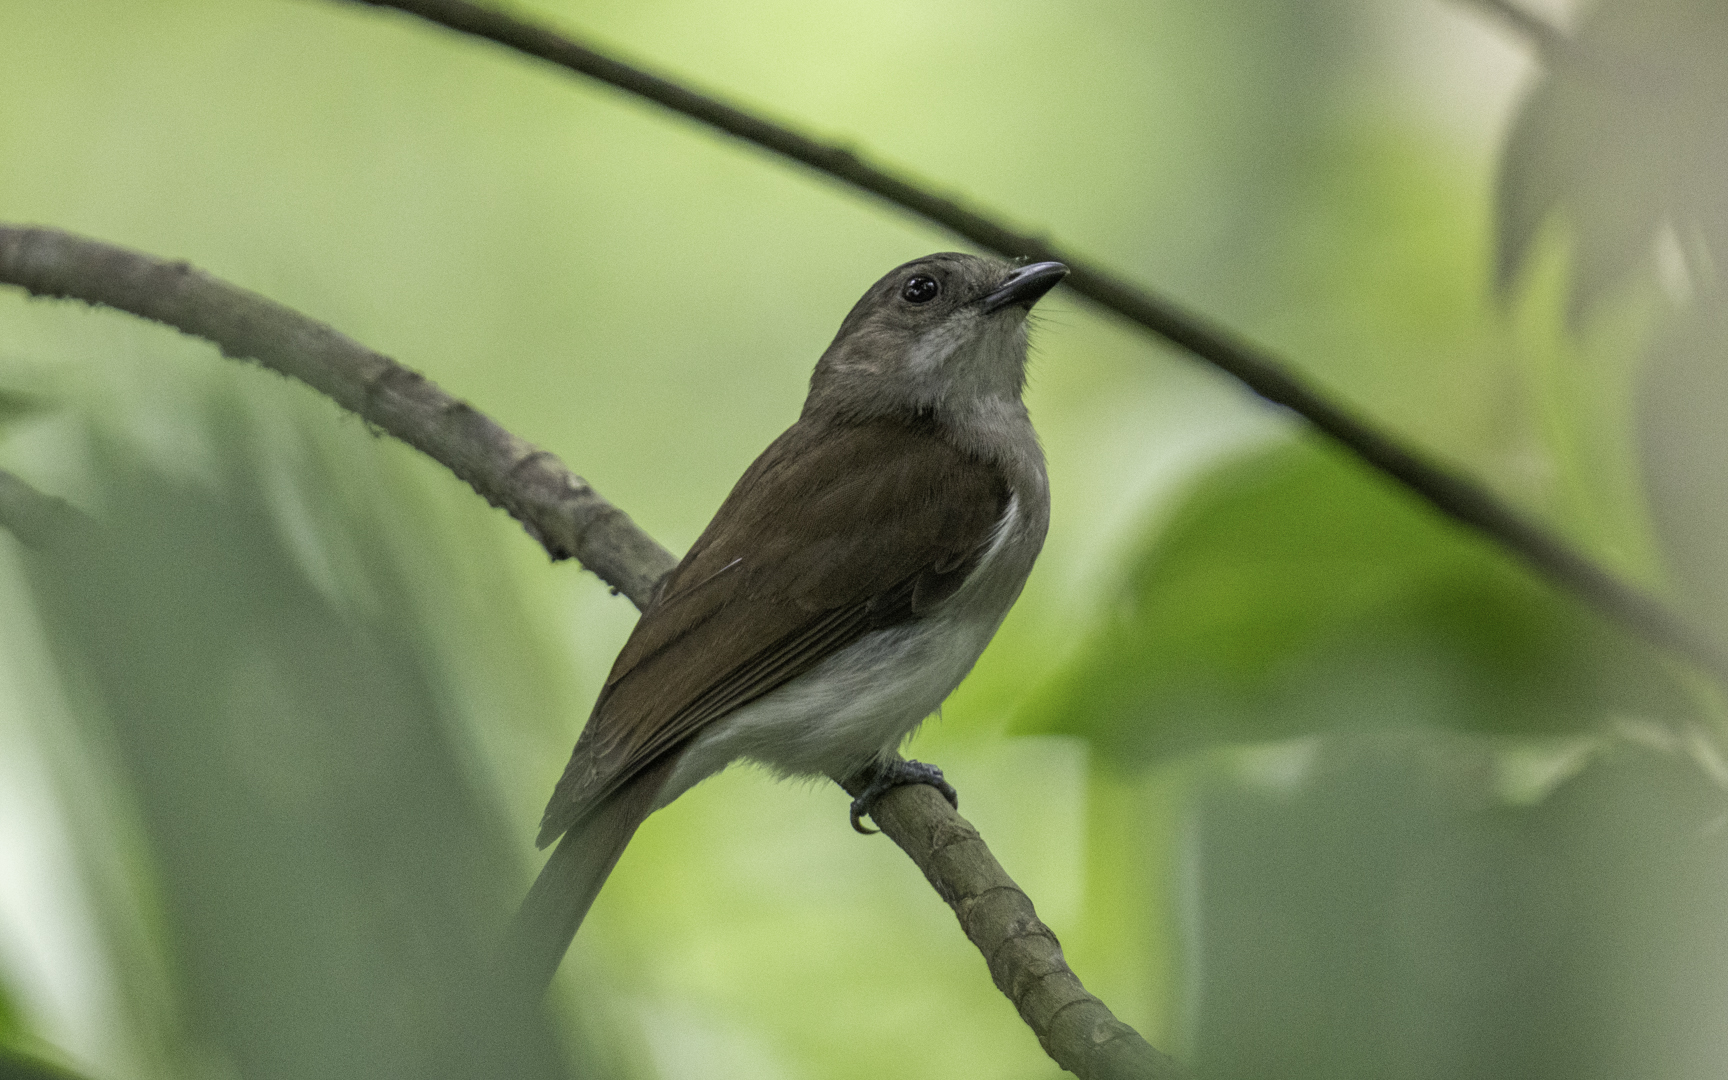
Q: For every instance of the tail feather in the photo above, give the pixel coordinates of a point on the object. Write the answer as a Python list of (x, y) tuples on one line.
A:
[(560, 897)]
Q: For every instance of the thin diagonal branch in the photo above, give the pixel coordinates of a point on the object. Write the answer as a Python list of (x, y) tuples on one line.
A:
[(1025, 959), (569, 518), (1452, 493)]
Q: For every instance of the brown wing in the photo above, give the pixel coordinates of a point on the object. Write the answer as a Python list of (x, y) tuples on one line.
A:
[(833, 532)]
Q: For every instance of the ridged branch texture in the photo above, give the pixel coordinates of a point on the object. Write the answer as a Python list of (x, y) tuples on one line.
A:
[(1025, 959), (1451, 493), (570, 519), (558, 508)]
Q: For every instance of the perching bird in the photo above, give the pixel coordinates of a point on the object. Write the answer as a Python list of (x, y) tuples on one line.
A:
[(845, 587)]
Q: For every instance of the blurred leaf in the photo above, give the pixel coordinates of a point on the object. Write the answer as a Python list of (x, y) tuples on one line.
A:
[(19, 1066), (1294, 592), (16, 405), (1369, 910), (10, 1027), (331, 886), (1682, 423), (34, 518), (1626, 133)]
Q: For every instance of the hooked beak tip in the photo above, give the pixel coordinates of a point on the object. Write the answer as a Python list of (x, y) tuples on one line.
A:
[(1025, 286)]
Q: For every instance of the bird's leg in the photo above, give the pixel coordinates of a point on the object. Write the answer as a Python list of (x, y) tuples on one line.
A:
[(890, 773)]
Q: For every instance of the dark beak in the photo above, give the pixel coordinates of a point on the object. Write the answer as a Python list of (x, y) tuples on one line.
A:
[(1025, 286)]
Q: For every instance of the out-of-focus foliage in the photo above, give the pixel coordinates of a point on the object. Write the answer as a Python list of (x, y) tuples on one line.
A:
[(1683, 432), (1296, 592), (326, 879), (1381, 897), (1624, 142), (15, 1065), (1374, 905), (16, 405), (1626, 135)]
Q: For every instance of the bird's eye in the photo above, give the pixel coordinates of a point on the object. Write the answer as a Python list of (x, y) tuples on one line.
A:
[(920, 290)]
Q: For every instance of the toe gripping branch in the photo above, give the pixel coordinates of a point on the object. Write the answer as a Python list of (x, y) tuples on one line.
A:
[(896, 772)]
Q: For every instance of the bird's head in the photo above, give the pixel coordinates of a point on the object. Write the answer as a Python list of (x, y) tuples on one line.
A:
[(938, 331)]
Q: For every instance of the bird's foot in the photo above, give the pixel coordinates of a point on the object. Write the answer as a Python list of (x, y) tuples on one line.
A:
[(894, 773)]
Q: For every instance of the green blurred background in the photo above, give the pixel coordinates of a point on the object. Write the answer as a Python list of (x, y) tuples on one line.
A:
[(1308, 782)]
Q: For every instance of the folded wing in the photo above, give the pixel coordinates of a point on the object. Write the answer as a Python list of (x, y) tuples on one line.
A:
[(834, 532)]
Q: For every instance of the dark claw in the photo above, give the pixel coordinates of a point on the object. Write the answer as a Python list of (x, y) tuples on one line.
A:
[(894, 773)]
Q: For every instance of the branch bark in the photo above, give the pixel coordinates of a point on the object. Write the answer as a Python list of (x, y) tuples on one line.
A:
[(1451, 493), (1025, 959), (570, 519), (557, 507)]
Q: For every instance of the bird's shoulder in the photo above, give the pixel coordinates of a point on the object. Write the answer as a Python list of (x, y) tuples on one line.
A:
[(830, 516)]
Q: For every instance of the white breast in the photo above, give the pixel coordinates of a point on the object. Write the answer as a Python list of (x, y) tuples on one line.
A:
[(861, 702)]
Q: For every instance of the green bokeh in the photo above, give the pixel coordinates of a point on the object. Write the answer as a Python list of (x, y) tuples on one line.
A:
[(1295, 592)]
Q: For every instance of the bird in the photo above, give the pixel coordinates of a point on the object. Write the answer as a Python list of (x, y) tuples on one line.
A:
[(845, 587)]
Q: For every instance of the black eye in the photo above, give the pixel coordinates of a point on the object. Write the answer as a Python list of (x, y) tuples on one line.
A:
[(920, 290)]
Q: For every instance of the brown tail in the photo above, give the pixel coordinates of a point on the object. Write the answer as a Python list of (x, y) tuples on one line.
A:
[(560, 897)]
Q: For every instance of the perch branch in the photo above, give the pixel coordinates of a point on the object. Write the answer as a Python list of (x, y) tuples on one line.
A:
[(1025, 959), (1452, 493), (570, 519), (557, 507)]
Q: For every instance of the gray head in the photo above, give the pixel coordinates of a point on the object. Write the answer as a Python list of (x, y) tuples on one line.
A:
[(945, 330)]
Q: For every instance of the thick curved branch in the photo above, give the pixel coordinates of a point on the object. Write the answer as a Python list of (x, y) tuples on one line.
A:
[(1025, 959), (1453, 494), (570, 519), (558, 508)]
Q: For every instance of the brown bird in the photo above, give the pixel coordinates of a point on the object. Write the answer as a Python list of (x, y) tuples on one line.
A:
[(845, 587)]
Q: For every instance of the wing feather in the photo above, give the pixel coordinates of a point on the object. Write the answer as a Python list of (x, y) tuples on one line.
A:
[(832, 533)]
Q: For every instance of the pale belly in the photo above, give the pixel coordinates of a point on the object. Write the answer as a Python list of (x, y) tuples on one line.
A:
[(858, 704), (853, 707)]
